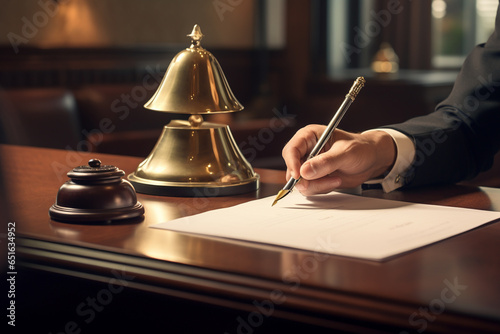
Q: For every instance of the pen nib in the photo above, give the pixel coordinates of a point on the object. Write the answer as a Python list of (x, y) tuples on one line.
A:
[(280, 195)]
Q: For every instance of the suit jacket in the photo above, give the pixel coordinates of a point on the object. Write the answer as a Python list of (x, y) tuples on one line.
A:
[(459, 139)]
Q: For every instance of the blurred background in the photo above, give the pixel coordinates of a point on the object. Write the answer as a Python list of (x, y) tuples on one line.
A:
[(75, 74)]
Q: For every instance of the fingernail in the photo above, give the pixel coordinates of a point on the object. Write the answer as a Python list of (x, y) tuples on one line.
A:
[(336, 183)]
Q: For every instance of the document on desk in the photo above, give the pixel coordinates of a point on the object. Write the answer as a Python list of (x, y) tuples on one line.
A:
[(336, 223)]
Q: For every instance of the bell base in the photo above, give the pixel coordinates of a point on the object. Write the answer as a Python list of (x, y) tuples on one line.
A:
[(193, 189)]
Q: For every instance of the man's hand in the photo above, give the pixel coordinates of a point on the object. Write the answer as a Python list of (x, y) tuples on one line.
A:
[(346, 161)]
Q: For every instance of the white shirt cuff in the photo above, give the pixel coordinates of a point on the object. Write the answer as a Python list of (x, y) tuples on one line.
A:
[(404, 158)]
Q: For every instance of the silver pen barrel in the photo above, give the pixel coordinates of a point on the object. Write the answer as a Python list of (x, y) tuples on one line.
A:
[(334, 122)]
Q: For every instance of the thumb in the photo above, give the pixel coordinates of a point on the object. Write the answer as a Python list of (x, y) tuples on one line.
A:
[(321, 165)]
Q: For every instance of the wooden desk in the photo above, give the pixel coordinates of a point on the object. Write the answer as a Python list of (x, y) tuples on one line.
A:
[(74, 278)]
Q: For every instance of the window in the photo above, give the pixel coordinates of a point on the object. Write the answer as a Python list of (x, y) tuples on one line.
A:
[(459, 25), (426, 34), (348, 44)]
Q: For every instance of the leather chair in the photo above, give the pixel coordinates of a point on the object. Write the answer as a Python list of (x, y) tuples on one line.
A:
[(42, 117)]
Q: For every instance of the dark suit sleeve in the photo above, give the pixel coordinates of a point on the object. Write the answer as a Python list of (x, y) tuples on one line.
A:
[(459, 139)]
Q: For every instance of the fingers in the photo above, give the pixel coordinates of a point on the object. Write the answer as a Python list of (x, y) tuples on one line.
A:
[(321, 186), (351, 160), (347, 160), (336, 157), (299, 146), (320, 166)]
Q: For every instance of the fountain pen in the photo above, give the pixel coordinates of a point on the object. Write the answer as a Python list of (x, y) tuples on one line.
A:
[(349, 98)]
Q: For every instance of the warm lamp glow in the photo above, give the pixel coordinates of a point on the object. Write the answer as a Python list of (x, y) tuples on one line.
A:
[(75, 24), (385, 60)]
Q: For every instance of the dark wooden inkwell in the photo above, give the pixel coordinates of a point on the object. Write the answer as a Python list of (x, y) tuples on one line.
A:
[(96, 194)]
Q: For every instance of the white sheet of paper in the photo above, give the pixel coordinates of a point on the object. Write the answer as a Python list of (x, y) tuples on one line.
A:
[(336, 223)]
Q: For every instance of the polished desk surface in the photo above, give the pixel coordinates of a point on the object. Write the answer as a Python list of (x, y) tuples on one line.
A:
[(317, 289)]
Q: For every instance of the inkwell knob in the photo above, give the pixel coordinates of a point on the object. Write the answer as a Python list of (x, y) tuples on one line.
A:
[(95, 163)]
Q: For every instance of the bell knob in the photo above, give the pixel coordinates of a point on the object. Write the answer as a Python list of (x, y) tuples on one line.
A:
[(196, 35)]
